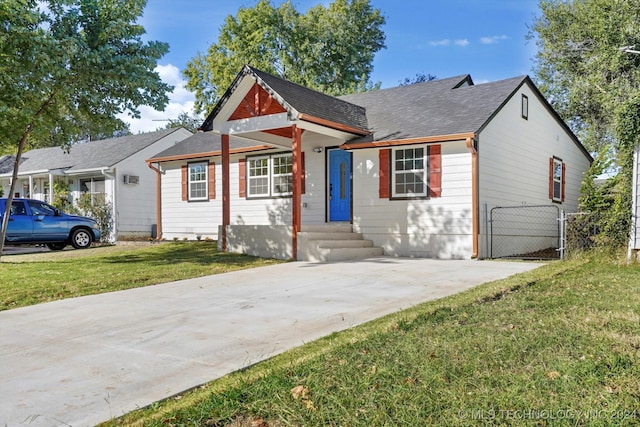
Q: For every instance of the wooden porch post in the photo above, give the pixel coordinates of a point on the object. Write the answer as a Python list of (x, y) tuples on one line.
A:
[(296, 201), (226, 193)]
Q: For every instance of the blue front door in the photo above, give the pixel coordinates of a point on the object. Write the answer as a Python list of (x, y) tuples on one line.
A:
[(339, 185)]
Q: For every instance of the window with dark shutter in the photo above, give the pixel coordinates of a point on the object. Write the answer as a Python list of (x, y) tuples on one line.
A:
[(413, 171)]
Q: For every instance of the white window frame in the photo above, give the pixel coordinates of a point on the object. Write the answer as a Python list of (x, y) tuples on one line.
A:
[(252, 178), (93, 193), (525, 107), (396, 173), (274, 176), (557, 179), (191, 181), (271, 176)]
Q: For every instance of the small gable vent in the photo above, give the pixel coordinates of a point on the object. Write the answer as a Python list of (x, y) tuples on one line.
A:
[(131, 179)]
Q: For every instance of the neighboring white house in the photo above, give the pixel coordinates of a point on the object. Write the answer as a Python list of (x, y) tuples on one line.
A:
[(114, 167), (284, 171)]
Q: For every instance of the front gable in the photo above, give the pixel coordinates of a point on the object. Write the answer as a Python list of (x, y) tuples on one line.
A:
[(262, 107)]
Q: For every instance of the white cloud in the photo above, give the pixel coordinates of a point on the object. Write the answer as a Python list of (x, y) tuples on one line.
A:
[(448, 42), (180, 101), (492, 39), (444, 42)]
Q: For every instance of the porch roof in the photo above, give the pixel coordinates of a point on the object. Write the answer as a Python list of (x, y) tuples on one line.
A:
[(203, 144), (297, 100)]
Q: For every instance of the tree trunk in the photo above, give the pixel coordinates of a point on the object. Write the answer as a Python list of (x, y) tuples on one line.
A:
[(16, 164)]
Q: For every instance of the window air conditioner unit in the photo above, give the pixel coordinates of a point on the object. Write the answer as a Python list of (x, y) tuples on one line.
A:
[(131, 179)]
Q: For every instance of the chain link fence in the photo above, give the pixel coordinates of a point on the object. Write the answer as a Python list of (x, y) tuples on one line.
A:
[(541, 232), (581, 231), (526, 232)]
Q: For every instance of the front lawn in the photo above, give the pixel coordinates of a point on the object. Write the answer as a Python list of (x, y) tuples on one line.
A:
[(41, 277), (556, 346)]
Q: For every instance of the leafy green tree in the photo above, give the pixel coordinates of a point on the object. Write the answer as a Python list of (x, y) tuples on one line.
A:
[(66, 63), (330, 49), (419, 78), (185, 120), (595, 86)]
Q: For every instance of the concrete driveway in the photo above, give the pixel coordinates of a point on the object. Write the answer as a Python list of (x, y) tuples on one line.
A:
[(82, 361)]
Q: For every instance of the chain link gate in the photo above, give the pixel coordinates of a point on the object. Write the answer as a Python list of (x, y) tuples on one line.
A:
[(526, 232)]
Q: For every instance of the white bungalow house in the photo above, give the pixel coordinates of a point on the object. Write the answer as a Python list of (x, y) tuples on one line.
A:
[(281, 170), (114, 167)]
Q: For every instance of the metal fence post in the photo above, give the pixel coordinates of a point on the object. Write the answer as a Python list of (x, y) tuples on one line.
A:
[(563, 233)]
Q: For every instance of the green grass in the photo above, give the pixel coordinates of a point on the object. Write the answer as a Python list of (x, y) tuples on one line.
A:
[(556, 346), (41, 277)]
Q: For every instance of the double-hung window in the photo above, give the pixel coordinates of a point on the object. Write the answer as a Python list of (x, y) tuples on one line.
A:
[(94, 188), (409, 177), (557, 178), (270, 175), (198, 181), (282, 168), (258, 176)]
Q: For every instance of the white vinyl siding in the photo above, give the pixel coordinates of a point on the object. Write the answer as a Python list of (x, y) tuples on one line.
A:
[(514, 160), (136, 204), (437, 227)]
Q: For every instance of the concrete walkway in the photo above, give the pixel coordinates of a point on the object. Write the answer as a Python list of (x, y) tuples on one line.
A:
[(82, 361)]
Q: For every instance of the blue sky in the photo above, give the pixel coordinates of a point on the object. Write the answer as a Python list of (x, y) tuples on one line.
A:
[(484, 38)]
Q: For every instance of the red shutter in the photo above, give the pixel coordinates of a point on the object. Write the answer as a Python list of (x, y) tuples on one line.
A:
[(551, 178), (212, 181), (242, 177), (185, 182), (383, 156), (435, 171), (564, 168), (303, 172)]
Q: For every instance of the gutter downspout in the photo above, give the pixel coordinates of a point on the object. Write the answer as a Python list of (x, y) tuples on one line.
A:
[(158, 199), (51, 192), (475, 205)]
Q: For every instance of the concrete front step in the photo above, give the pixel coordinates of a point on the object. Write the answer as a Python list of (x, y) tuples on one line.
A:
[(333, 242), (359, 243), (334, 227), (341, 254), (317, 235)]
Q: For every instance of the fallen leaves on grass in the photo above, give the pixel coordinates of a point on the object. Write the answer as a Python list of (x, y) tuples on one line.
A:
[(302, 393)]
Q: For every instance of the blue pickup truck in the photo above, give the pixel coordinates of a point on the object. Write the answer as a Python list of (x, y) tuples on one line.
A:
[(36, 222)]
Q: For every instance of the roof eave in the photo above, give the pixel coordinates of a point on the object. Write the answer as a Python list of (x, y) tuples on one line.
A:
[(408, 141)]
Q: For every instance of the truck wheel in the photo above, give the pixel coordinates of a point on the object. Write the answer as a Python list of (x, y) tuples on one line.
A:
[(81, 238), (56, 246)]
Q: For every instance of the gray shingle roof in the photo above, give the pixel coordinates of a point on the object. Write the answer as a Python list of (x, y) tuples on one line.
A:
[(302, 99), (89, 155), (200, 143), (6, 164), (316, 104), (438, 107)]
